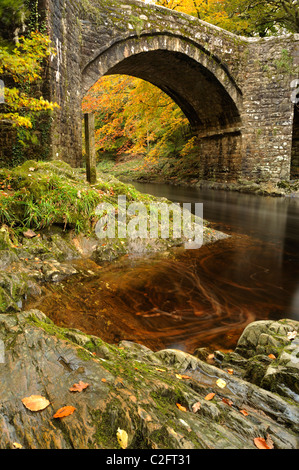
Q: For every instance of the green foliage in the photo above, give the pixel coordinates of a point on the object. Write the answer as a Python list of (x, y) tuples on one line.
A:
[(13, 14), (39, 194)]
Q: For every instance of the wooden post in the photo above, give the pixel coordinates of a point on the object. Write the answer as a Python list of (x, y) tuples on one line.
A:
[(91, 170)]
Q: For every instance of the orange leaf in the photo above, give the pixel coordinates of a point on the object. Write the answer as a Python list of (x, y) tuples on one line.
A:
[(271, 356), (64, 411), (104, 380), (79, 387), (180, 407), (261, 443), (244, 412), (227, 401), (35, 402), (230, 371), (210, 396)]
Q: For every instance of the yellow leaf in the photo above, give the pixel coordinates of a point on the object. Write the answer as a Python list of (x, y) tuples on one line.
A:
[(221, 383), (35, 402), (16, 445), (122, 438)]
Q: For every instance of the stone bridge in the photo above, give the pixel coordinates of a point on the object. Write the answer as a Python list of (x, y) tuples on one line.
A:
[(236, 92)]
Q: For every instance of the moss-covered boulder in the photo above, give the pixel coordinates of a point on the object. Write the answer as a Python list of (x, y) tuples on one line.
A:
[(267, 354)]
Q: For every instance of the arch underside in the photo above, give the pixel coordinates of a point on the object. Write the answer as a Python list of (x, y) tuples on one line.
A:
[(193, 88), (196, 83)]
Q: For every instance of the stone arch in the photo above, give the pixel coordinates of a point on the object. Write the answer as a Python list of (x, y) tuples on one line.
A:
[(193, 77)]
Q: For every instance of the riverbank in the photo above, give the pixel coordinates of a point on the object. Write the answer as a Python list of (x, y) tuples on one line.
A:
[(48, 219), (183, 172)]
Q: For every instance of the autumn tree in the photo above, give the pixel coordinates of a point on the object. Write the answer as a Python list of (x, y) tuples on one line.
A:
[(246, 17), (135, 118), (20, 68), (264, 17)]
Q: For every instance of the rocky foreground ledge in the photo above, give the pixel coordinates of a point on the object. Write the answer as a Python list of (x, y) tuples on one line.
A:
[(161, 400)]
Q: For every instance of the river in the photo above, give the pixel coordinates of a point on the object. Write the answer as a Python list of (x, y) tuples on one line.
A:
[(194, 298)]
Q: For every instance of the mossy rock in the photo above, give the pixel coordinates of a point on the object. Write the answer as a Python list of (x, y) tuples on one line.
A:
[(7, 304)]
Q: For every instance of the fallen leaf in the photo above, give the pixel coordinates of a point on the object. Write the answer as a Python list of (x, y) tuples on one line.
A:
[(244, 412), (35, 402), (210, 396), (64, 411), (103, 380), (180, 376), (180, 407), (16, 445), (122, 438), (221, 383), (292, 334), (227, 401), (271, 356), (230, 371), (29, 234), (196, 407), (78, 387), (261, 443)]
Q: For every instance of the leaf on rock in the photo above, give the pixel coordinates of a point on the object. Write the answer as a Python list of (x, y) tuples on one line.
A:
[(262, 443), (122, 438), (291, 334), (210, 396), (221, 383), (79, 387), (64, 411), (180, 407), (227, 401), (244, 412), (35, 402), (196, 407), (180, 376), (16, 445)]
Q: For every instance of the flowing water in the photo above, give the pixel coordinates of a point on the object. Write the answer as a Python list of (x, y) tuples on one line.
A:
[(193, 298)]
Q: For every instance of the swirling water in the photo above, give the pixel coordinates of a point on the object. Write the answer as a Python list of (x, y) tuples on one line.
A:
[(193, 298)]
